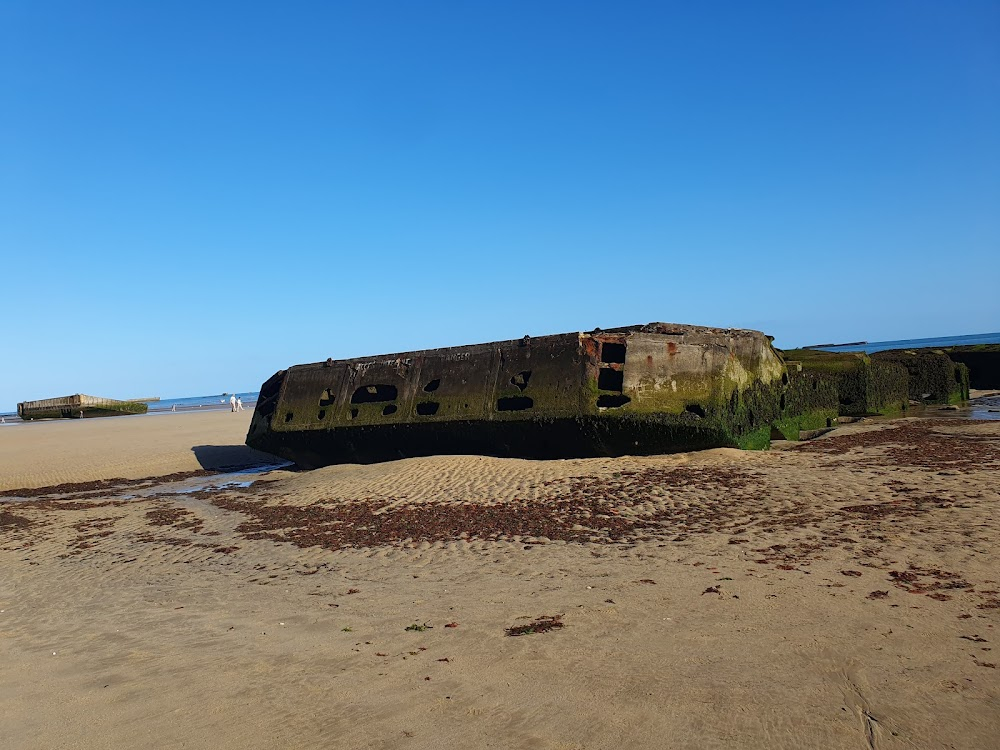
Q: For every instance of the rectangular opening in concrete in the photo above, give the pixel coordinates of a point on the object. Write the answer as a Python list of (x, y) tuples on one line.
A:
[(610, 380), (607, 401), (514, 403), (612, 353), (370, 394)]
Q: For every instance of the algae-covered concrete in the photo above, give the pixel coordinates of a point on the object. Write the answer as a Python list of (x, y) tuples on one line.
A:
[(810, 402), (641, 389), (78, 406), (983, 361), (865, 386), (931, 375)]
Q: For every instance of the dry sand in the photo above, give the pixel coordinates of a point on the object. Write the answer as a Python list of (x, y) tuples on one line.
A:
[(840, 594)]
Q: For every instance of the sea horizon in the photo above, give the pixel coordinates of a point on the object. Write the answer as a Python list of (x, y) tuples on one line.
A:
[(935, 342)]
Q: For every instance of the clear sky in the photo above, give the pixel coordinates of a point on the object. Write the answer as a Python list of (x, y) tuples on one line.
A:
[(194, 195)]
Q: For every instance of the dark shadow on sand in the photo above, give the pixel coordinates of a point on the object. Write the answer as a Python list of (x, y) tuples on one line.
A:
[(231, 457)]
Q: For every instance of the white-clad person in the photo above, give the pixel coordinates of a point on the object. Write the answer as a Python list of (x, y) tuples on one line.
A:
[(232, 402), (239, 404)]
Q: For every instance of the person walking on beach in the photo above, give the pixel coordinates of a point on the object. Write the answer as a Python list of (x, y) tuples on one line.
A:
[(232, 402), (239, 404)]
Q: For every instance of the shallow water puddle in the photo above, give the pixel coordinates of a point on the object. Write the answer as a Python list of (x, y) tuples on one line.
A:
[(150, 487), (214, 483)]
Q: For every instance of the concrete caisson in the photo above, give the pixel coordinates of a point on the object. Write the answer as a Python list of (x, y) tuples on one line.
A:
[(78, 406), (645, 389)]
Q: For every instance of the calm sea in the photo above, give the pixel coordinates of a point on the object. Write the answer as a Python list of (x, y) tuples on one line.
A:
[(201, 402), (881, 346)]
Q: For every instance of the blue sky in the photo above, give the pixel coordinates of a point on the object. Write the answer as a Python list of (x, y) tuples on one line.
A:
[(195, 195)]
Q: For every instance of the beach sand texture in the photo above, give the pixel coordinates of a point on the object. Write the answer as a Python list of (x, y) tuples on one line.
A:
[(51, 452), (844, 593)]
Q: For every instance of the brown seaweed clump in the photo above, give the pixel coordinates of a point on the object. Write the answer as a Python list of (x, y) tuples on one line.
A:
[(630, 506), (918, 444), (543, 624)]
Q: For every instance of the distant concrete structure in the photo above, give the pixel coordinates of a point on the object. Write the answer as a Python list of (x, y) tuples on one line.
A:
[(647, 389), (78, 406)]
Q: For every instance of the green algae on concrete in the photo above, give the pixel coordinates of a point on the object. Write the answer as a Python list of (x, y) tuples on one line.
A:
[(810, 402), (931, 375), (865, 387), (640, 389), (78, 406)]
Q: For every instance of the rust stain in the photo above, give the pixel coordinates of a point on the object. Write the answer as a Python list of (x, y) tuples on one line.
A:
[(671, 347)]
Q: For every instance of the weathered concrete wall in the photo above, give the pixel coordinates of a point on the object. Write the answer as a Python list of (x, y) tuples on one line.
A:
[(486, 381), (663, 374), (639, 389), (983, 361)]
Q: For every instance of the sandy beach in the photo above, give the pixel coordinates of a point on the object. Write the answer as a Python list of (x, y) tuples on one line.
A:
[(842, 593)]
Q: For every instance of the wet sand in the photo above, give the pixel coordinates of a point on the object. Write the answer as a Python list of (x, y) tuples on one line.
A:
[(843, 593)]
